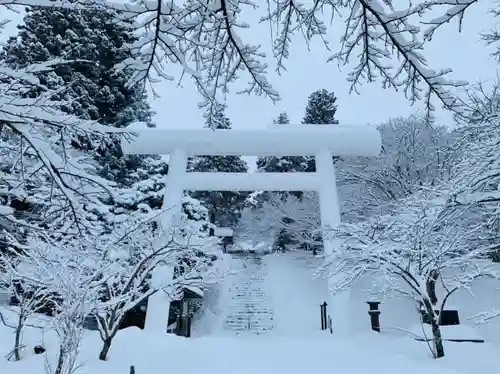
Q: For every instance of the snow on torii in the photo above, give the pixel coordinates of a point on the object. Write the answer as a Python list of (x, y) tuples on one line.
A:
[(321, 141)]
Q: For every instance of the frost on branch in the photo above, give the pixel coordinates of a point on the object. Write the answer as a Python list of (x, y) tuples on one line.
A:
[(130, 257), (289, 216), (205, 39), (420, 252), (414, 156), (201, 37), (28, 296), (290, 17), (475, 191), (60, 280), (374, 36), (476, 177)]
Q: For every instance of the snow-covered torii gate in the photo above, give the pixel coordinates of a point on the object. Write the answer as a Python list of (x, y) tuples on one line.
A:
[(321, 141)]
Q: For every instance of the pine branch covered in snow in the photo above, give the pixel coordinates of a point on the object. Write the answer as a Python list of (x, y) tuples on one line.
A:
[(39, 165)]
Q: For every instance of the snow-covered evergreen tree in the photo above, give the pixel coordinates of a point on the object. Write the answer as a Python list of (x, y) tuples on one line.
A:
[(94, 91), (281, 164), (321, 108), (88, 88), (224, 207)]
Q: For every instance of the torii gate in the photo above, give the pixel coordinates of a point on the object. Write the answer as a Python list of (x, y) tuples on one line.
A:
[(321, 141)]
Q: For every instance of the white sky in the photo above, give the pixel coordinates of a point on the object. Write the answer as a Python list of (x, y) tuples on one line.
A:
[(308, 71)]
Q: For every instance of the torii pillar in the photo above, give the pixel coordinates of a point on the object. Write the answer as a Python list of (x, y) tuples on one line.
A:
[(321, 141)]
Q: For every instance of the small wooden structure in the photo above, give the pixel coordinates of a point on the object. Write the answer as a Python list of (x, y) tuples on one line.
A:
[(448, 317), (226, 234), (183, 323)]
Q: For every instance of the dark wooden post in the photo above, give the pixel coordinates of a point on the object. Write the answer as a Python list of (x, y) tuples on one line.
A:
[(374, 315), (324, 324), (184, 319), (188, 326)]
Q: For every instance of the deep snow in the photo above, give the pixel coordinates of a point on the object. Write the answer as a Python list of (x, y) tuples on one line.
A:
[(294, 345)]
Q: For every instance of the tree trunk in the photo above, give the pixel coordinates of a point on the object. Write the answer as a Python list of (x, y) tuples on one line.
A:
[(431, 286), (105, 349), (211, 218), (17, 339), (436, 330), (60, 361)]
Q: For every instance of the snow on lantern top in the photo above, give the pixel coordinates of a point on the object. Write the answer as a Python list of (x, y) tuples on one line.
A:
[(305, 140), (223, 231)]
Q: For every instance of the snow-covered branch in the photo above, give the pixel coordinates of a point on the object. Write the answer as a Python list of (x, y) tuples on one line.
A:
[(409, 252), (130, 258), (204, 40), (38, 160)]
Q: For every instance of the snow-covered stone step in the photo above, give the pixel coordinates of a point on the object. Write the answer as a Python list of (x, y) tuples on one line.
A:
[(250, 310)]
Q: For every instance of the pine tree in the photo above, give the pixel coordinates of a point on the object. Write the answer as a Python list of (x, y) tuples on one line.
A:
[(89, 89), (321, 108), (94, 90), (224, 207)]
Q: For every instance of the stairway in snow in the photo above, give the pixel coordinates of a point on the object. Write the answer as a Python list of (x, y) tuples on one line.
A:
[(249, 306)]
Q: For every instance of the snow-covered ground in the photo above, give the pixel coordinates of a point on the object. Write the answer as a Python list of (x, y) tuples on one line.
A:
[(159, 353), (296, 295), (282, 285)]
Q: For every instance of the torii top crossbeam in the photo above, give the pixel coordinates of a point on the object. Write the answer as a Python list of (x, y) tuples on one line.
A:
[(304, 140)]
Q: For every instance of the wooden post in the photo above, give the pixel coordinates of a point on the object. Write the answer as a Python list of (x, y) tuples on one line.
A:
[(374, 315), (324, 325), (184, 320), (188, 326)]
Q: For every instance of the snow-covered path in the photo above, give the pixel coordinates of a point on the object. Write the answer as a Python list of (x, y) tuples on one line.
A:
[(273, 294)]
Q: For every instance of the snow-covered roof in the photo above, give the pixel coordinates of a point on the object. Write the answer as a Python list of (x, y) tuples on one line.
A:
[(223, 231), (195, 290)]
